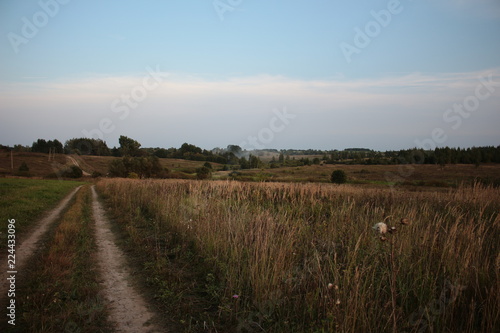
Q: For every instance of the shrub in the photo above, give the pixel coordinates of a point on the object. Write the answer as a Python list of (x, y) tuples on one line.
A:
[(73, 172), (96, 174), (24, 167), (338, 177), (203, 173), (23, 170), (133, 175)]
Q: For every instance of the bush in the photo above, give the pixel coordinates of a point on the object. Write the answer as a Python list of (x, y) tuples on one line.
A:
[(338, 177), (96, 174), (133, 175), (203, 173), (144, 167), (23, 170), (24, 167), (73, 172)]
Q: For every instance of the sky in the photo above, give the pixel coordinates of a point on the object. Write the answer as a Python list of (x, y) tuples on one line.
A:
[(262, 74)]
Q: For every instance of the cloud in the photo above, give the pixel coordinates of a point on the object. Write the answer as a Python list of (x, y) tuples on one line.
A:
[(381, 112)]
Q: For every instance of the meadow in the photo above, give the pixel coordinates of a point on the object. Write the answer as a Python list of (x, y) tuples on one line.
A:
[(26, 200), (276, 257)]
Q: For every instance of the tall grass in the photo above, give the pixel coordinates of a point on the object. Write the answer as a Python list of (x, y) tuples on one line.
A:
[(303, 257)]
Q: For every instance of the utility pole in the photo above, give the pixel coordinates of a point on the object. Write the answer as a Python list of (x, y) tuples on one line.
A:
[(11, 160)]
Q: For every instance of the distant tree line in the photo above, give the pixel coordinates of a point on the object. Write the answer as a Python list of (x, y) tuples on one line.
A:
[(233, 157), (42, 146)]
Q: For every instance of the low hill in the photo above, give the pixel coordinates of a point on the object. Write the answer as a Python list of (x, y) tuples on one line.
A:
[(41, 166)]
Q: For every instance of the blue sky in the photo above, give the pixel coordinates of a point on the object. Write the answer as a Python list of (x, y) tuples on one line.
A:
[(226, 69)]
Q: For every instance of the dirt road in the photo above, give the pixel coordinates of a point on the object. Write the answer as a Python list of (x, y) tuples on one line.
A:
[(128, 309), (26, 248), (73, 161)]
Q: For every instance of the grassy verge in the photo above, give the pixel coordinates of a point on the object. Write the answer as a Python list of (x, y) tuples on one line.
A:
[(58, 290), (25, 200), (304, 258)]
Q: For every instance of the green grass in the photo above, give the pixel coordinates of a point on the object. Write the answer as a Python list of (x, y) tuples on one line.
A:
[(26, 200), (279, 246)]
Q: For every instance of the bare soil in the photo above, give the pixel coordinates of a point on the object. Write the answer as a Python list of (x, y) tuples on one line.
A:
[(128, 309)]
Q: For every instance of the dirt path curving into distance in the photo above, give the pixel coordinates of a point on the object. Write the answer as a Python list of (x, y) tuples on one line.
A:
[(128, 309), (26, 248), (73, 161)]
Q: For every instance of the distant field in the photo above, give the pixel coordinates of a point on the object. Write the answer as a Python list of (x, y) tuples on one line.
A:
[(411, 175), (25, 200), (408, 175)]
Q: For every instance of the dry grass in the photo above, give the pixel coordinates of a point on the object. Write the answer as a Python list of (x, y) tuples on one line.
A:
[(417, 174), (279, 246), (38, 163)]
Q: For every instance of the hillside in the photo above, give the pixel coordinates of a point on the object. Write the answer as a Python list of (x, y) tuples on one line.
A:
[(41, 167)]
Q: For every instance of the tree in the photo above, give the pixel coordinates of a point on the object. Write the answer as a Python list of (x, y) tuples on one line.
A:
[(254, 162), (338, 177), (144, 167), (235, 149), (73, 172), (86, 146), (129, 146)]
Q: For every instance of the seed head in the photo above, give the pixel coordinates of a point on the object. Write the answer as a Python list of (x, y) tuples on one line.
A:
[(380, 227)]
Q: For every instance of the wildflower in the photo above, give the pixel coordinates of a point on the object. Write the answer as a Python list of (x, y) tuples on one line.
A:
[(236, 296), (380, 227), (337, 302), (330, 286)]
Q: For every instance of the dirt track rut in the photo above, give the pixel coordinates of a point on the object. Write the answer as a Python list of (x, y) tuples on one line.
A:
[(128, 309), (26, 248)]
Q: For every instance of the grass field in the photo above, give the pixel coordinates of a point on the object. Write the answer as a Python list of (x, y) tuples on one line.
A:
[(417, 175), (274, 257), (38, 164), (25, 200), (409, 175)]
